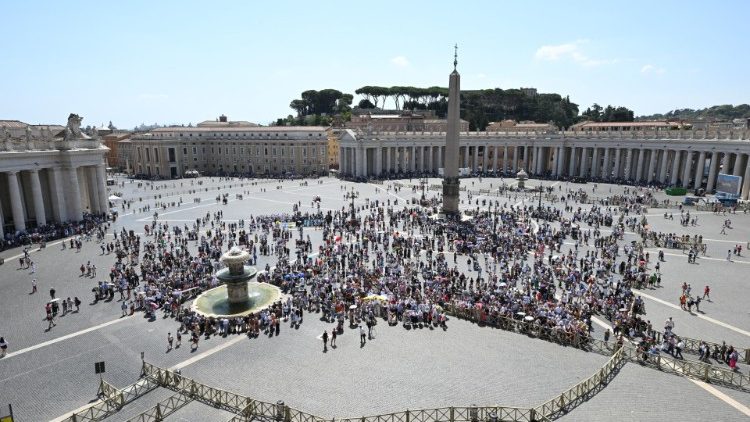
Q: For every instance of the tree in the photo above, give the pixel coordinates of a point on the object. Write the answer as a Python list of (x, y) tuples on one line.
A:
[(365, 103)]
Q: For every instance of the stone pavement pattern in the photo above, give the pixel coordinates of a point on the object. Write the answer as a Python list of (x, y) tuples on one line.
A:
[(398, 370)]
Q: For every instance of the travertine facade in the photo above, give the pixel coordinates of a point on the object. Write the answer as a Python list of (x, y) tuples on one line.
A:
[(687, 158), (49, 173), (242, 150)]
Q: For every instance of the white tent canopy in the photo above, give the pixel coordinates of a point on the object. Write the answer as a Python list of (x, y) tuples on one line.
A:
[(114, 198)]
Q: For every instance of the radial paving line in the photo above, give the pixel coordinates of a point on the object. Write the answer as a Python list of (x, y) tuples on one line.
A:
[(63, 338), (709, 319), (721, 396), (208, 353)]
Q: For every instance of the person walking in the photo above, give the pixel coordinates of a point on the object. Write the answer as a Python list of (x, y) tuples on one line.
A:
[(706, 292), (362, 336), (33, 286), (170, 340), (3, 347), (333, 338), (77, 303), (325, 340), (179, 340)]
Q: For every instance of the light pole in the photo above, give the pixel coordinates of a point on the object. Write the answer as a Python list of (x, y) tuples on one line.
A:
[(352, 195)]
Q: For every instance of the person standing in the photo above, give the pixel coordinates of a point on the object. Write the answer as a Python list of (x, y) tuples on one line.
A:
[(3, 347), (333, 338), (179, 340), (52, 292), (706, 292), (33, 286), (362, 336), (170, 339), (325, 340)]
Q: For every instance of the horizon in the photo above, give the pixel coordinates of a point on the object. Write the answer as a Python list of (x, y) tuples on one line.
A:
[(180, 63)]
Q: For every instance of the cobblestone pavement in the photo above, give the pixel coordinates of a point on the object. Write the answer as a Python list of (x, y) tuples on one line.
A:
[(399, 369), (640, 394)]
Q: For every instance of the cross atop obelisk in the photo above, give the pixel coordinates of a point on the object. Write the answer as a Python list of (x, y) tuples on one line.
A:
[(450, 169), (455, 56)]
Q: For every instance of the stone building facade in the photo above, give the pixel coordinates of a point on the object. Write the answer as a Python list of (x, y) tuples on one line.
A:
[(229, 150), (687, 158), (49, 173)]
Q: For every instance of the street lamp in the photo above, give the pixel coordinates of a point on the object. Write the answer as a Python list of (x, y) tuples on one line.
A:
[(352, 195)]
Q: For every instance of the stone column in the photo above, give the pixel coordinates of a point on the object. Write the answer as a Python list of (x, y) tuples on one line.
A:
[(496, 152), (2, 222), (101, 185), (607, 173), (515, 159), (737, 167), (725, 163), (675, 168), (652, 165), (16, 206), (627, 175), (57, 195), (557, 162), (663, 165), (466, 156), (639, 169), (36, 191), (595, 163), (572, 162), (584, 162), (699, 169), (475, 159), (686, 169), (618, 155), (93, 192), (712, 169), (746, 182), (378, 161), (505, 159), (440, 157)]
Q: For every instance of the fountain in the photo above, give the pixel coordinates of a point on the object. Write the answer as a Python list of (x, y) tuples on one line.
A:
[(237, 295)]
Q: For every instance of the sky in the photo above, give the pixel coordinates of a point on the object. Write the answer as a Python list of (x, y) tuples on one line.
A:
[(133, 62)]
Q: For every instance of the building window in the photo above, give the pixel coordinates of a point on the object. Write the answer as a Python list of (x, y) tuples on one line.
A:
[(148, 155), (172, 154), (156, 155), (184, 151)]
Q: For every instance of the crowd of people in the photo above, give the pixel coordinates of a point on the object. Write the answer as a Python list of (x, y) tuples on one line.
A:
[(392, 263)]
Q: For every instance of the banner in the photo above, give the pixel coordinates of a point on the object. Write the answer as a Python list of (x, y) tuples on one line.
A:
[(728, 184)]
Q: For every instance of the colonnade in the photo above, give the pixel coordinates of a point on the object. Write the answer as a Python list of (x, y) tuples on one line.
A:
[(43, 195), (690, 164)]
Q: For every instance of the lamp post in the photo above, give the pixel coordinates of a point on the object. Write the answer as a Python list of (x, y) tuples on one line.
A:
[(352, 195)]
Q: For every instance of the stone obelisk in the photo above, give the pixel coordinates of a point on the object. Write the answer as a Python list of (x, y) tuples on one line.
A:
[(450, 170)]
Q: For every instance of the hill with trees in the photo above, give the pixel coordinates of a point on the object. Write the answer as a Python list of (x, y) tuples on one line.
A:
[(717, 112)]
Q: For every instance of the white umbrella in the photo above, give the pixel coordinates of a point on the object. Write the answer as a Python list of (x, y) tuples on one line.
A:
[(114, 198)]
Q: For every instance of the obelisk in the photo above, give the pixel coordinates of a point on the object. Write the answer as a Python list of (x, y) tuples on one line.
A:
[(450, 170)]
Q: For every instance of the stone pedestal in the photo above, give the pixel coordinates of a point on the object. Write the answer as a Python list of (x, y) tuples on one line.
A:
[(450, 196)]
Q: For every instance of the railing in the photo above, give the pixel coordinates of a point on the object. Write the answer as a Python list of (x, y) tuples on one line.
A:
[(698, 370), (163, 409), (112, 401), (582, 391), (693, 345)]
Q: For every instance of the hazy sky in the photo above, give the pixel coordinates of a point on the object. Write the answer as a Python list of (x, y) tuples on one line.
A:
[(182, 61)]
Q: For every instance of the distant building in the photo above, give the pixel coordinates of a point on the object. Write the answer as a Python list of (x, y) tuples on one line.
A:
[(112, 141), (230, 149), (529, 92), (223, 121), (522, 126), (627, 126), (736, 124), (400, 121)]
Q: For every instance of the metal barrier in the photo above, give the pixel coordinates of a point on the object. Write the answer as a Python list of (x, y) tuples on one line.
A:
[(112, 400), (582, 391), (692, 346)]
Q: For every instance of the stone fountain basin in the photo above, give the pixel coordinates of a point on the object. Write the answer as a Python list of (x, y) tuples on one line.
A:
[(215, 302)]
